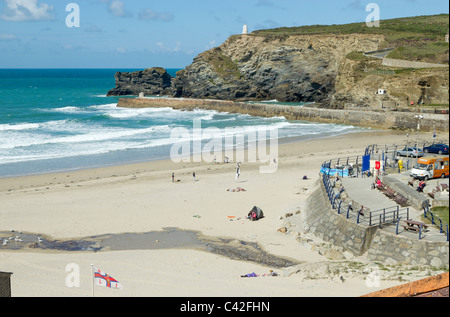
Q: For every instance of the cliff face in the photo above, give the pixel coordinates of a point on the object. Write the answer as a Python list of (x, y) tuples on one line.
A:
[(358, 81), (298, 68)]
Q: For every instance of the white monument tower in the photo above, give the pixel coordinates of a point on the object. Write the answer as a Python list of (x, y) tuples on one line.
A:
[(245, 29)]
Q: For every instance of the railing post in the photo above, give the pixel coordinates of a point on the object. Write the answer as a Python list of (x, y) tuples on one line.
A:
[(420, 232), (339, 207), (396, 229), (348, 209)]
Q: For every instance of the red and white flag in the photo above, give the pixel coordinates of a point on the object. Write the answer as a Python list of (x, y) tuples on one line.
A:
[(103, 279)]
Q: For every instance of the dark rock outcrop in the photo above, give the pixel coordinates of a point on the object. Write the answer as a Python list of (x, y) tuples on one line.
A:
[(152, 81)]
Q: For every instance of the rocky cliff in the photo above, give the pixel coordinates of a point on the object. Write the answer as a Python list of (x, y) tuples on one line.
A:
[(294, 69), (328, 69), (152, 81)]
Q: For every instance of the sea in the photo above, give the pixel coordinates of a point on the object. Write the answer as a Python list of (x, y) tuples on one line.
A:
[(57, 120)]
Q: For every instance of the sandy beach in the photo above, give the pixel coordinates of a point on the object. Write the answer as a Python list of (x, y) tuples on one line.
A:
[(142, 198)]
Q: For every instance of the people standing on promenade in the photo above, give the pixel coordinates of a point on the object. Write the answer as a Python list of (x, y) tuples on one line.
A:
[(377, 183), (361, 211), (422, 185)]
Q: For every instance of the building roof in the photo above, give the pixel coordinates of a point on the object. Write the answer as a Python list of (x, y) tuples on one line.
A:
[(434, 286)]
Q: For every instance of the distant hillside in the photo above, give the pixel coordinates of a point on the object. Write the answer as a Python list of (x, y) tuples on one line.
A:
[(420, 38)]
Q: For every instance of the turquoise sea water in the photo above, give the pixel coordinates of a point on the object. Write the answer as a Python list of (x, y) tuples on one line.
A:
[(60, 119)]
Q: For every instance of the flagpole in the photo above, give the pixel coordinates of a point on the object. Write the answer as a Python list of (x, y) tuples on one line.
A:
[(92, 278)]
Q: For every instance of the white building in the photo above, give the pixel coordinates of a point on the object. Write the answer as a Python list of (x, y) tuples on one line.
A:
[(245, 29)]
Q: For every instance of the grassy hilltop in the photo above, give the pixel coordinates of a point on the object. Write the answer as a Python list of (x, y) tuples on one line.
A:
[(418, 38)]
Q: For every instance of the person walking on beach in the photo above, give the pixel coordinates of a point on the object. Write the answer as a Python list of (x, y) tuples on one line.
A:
[(238, 171), (193, 176), (173, 177)]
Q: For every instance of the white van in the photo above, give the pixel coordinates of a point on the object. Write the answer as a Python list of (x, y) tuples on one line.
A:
[(428, 168)]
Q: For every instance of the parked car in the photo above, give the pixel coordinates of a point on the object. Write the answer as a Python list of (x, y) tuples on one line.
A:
[(436, 148), (411, 152)]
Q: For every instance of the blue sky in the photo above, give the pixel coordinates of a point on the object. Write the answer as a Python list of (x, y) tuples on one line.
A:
[(169, 33)]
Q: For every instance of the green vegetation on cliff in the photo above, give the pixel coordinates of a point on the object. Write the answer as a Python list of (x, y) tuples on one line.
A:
[(222, 64), (420, 38), (434, 24)]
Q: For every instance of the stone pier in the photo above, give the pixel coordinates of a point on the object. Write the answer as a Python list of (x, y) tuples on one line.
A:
[(363, 118)]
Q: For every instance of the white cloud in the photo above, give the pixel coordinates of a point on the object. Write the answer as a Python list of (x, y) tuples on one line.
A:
[(116, 7), (7, 37), (93, 29), (268, 3), (151, 15), (26, 10), (70, 47), (163, 47), (121, 50), (211, 44)]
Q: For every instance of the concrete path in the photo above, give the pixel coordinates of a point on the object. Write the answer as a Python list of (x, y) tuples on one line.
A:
[(359, 190), (380, 53)]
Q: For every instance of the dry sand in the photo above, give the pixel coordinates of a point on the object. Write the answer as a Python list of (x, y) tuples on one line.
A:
[(142, 198)]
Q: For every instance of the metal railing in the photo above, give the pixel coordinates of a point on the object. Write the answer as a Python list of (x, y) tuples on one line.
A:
[(388, 215), (388, 153), (435, 219), (391, 215), (379, 217), (344, 167), (351, 166)]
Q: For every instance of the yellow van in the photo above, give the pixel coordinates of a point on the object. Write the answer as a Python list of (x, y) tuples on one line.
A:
[(430, 167)]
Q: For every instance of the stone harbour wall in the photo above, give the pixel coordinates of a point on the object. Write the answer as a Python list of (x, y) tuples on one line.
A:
[(391, 249), (362, 118), (333, 228)]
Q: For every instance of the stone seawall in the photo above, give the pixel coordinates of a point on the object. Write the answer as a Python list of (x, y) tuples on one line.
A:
[(363, 118), (379, 245), (389, 248), (333, 228)]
